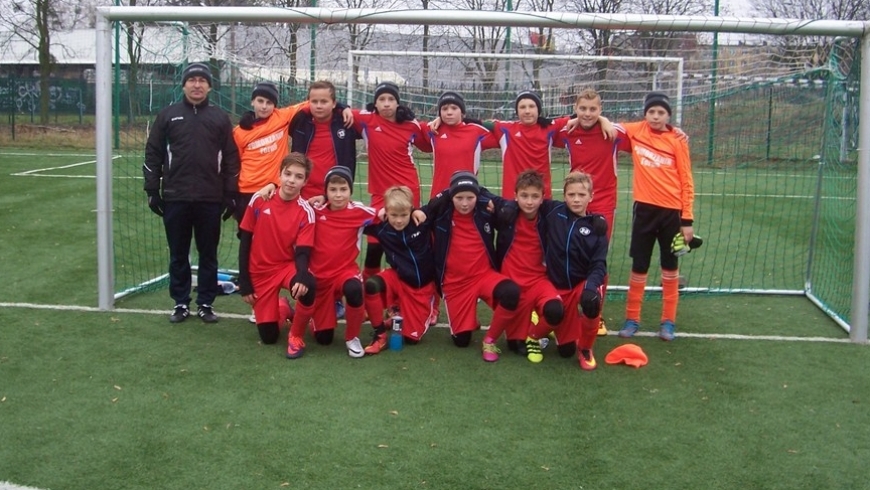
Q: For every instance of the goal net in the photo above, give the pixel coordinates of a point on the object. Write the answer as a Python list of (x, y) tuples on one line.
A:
[(772, 122)]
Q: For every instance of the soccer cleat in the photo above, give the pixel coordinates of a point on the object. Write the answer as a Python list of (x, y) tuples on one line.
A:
[(587, 360), (666, 330), (490, 351), (602, 327), (252, 318), (533, 350), (295, 347), (355, 348), (339, 310), (379, 343), (179, 314), (629, 329), (206, 314)]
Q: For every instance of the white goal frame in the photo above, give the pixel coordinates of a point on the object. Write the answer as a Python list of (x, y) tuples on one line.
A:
[(678, 108), (860, 300)]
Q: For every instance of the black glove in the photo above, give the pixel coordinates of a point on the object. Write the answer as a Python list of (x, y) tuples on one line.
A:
[(590, 303), (155, 202), (404, 114), (231, 200), (247, 120)]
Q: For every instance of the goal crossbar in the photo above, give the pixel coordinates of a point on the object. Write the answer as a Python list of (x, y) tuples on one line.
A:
[(860, 300)]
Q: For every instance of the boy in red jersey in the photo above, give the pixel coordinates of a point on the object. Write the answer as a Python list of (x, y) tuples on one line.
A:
[(409, 282), (592, 151), (520, 253), (664, 193), (276, 237), (457, 142), (576, 256), (390, 131), (465, 261), (333, 262), (526, 143)]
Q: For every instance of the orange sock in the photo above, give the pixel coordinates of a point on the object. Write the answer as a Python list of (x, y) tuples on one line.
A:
[(636, 285), (670, 294)]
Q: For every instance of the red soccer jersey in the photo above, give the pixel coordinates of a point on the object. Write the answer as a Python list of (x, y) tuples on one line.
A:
[(524, 262), (466, 257), (457, 148), (524, 147), (322, 154), (337, 242), (589, 152), (390, 151), (279, 227)]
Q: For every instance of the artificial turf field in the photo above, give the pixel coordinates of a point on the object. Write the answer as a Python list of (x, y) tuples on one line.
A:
[(757, 391)]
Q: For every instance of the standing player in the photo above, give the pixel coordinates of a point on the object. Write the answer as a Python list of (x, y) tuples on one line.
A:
[(333, 261), (276, 237), (465, 261), (191, 154), (390, 132), (409, 282), (592, 151), (457, 142), (664, 194)]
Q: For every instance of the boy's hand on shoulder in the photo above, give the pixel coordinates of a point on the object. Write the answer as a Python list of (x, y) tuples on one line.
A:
[(317, 201), (418, 216), (267, 192), (572, 124), (681, 135), (347, 117), (607, 128), (382, 214), (435, 124)]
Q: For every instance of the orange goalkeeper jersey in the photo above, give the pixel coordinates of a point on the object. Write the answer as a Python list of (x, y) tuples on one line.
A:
[(262, 148), (662, 168)]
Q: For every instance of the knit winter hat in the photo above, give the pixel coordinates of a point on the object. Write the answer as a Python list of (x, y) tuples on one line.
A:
[(630, 354), (528, 94), (196, 70), (387, 88), (656, 99), (267, 90), (463, 180), (451, 98), (339, 171)]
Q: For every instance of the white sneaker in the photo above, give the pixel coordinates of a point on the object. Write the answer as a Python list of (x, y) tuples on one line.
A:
[(252, 318), (355, 348)]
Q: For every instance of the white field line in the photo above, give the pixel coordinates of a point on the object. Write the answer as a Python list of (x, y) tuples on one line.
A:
[(37, 172), (714, 336), (5, 485)]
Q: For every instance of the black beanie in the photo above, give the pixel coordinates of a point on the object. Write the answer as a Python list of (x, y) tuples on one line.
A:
[(267, 90), (196, 70), (339, 171), (528, 94), (463, 180), (656, 99), (387, 88), (451, 98)]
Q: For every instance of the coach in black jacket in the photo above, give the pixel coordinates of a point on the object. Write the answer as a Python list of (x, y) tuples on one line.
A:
[(191, 153)]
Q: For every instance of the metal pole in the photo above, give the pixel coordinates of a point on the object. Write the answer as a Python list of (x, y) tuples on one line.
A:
[(312, 58), (103, 89), (861, 277), (714, 82), (116, 122)]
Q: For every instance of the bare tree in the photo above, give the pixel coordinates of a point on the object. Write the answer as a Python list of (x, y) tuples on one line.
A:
[(813, 51), (541, 38), (360, 35)]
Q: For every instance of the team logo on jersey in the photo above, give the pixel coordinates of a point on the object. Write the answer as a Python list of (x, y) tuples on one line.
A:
[(267, 211), (578, 142), (415, 234), (585, 231), (444, 136), (340, 133), (518, 134), (487, 229), (177, 118), (322, 218), (378, 129)]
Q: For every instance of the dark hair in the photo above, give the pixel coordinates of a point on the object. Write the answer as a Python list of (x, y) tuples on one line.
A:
[(323, 84), (529, 178), (296, 158)]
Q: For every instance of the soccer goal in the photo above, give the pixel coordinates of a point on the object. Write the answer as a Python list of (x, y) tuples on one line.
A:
[(772, 108)]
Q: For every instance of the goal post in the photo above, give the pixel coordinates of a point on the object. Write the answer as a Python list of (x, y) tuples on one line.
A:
[(785, 206)]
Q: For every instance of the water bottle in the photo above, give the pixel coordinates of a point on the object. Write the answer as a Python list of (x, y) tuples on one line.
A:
[(227, 287), (396, 336), (222, 276)]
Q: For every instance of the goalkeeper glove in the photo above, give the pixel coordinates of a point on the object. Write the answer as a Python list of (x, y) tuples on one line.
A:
[(155, 202), (590, 303), (679, 247)]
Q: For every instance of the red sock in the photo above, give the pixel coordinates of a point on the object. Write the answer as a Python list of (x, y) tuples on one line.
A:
[(500, 320), (353, 316), (375, 308), (670, 294), (636, 285), (588, 332), (301, 319)]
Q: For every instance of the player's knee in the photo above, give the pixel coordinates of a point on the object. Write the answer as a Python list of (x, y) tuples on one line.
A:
[(553, 312), (640, 266), (507, 294), (353, 292), (324, 337), (268, 332), (375, 285), (567, 350), (462, 339)]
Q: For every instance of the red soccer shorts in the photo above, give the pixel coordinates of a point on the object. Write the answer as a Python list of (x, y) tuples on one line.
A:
[(460, 299)]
